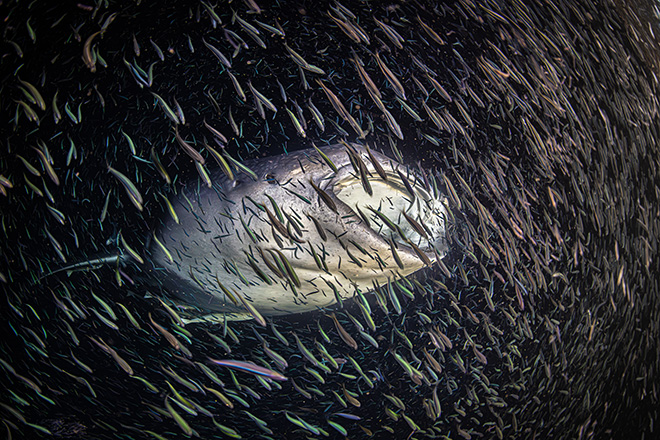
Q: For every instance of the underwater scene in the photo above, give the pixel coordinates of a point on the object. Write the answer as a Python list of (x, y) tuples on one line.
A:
[(401, 219)]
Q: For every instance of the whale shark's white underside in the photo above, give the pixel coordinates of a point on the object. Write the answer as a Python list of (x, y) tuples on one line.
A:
[(277, 243)]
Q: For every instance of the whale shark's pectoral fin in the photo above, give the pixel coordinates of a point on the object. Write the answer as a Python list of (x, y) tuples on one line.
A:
[(191, 314), (218, 318)]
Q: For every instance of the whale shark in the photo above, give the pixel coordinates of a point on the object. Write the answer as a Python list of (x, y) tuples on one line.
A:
[(298, 232)]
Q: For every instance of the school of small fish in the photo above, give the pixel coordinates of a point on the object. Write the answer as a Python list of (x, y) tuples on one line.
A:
[(534, 123)]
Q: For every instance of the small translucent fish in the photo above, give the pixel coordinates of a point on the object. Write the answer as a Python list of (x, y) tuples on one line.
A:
[(131, 189), (249, 367)]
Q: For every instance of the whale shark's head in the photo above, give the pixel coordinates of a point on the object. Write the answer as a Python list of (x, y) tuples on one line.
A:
[(315, 227)]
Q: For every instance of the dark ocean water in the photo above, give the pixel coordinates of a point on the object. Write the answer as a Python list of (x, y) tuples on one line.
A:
[(537, 121)]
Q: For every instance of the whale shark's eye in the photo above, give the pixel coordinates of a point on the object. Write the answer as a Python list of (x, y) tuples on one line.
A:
[(392, 211)]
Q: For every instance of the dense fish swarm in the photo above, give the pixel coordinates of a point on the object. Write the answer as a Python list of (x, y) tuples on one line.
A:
[(538, 121)]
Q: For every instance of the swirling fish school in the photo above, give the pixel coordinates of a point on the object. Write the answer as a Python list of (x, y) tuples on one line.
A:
[(461, 196)]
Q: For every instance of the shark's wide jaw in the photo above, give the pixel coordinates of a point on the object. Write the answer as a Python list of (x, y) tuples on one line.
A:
[(392, 199)]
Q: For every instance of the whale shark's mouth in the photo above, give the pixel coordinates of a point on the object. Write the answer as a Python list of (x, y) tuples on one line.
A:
[(419, 219)]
